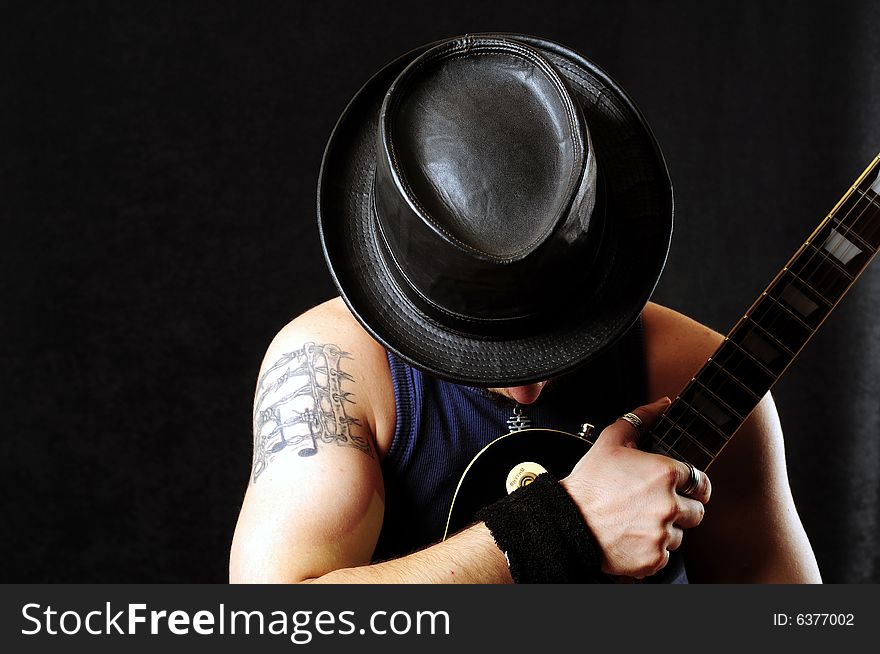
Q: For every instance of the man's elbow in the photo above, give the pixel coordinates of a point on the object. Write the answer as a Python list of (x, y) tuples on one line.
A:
[(262, 572)]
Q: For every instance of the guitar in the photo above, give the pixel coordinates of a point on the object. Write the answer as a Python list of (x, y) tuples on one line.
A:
[(708, 411)]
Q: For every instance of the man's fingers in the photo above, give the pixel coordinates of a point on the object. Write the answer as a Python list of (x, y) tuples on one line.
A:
[(632, 426), (690, 513), (693, 483), (676, 535)]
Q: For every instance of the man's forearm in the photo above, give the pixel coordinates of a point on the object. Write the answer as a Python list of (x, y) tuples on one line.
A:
[(469, 557)]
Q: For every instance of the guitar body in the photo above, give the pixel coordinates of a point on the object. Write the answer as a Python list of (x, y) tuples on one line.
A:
[(508, 463)]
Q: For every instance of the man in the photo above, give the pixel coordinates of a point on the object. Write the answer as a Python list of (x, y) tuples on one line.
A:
[(496, 213)]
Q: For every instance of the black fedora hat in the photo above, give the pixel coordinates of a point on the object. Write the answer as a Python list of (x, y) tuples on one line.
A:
[(494, 209)]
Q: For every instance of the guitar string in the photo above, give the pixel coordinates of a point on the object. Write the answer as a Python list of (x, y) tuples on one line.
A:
[(830, 273), (830, 219), (813, 281)]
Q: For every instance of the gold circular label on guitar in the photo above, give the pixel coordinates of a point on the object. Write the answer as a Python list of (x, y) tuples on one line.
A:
[(523, 474)]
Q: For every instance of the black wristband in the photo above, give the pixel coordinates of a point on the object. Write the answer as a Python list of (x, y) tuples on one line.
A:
[(540, 530)]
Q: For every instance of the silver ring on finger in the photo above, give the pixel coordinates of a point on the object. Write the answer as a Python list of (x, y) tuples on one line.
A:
[(636, 422), (693, 480)]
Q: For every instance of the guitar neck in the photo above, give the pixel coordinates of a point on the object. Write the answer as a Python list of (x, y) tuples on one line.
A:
[(765, 341)]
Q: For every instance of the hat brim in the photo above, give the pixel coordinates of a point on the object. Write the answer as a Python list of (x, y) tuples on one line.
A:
[(635, 246)]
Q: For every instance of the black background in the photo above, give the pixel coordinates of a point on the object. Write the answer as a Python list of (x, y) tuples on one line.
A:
[(158, 165)]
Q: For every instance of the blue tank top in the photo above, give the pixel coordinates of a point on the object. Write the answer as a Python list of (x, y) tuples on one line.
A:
[(441, 426)]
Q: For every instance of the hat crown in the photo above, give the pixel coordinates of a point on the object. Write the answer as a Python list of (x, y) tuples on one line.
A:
[(487, 142), (485, 184)]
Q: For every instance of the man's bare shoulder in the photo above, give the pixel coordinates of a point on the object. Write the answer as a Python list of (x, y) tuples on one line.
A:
[(331, 323), (676, 347), (324, 320), (330, 326)]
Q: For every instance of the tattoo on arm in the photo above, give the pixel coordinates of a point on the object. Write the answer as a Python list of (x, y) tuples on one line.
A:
[(300, 404)]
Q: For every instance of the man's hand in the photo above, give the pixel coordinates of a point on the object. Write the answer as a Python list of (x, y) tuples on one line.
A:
[(630, 499)]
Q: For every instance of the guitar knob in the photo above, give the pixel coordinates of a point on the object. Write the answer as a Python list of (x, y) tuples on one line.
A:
[(523, 475), (586, 431)]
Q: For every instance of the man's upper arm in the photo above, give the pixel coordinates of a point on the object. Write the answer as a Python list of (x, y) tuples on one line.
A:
[(315, 498), (751, 531)]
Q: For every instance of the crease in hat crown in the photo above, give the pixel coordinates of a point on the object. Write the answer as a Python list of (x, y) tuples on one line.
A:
[(442, 251)]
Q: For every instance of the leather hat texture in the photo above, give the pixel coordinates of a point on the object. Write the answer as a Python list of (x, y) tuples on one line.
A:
[(494, 209)]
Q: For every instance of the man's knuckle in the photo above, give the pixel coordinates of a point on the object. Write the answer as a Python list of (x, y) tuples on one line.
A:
[(658, 547), (669, 475), (668, 511), (658, 562), (644, 570), (661, 473)]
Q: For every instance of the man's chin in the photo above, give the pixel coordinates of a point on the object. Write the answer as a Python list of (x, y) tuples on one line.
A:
[(521, 394)]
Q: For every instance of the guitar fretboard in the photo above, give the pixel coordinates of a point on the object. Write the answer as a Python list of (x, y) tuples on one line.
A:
[(761, 346)]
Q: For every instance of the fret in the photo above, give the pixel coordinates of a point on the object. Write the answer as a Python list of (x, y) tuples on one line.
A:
[(811, 286), (783, 326), (703, 430), (719, 402), (854, 236), (711, 408), (866, 225), (663, 428), (855, 203), (801, 299), (762, 347), (842, 247), (668, 450), (680, 445), (857, 219), (869, 198), (815, 252), (870, 179), (665, 431), (699, 405), (793, 314), (727, 388), (742, 365), (711, 364), (687, 449), (755, 326)]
